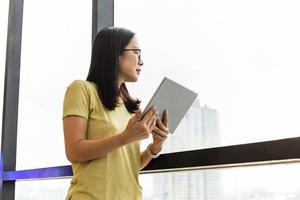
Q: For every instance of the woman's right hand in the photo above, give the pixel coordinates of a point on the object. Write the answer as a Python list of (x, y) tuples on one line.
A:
[(140, 129)]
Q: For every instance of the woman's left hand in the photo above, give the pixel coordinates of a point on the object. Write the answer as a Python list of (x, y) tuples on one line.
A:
[(160, 133)]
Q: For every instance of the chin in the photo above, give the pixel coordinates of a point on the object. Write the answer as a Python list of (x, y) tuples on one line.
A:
[(135, 79), (132, 79)]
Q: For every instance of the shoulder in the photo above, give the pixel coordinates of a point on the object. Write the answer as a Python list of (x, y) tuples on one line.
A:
[(80, 88), (82, 85)]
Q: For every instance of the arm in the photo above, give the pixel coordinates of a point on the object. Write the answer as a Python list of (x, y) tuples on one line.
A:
[(145, 159), (80, 149), (160, 134), (146, 156)]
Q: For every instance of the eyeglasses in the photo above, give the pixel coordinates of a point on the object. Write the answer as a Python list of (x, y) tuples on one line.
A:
[(135, 51)]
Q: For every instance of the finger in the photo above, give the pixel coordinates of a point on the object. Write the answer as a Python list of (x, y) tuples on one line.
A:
[(152, 126), (160, 133), (137, 115), (161, 125), (149, 114), (165, 118), (151, 121), (157, 137)]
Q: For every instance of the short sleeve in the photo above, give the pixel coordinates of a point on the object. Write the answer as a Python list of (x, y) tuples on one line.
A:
[(77, 100)]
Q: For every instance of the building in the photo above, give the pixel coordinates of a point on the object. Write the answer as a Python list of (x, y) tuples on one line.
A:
[(199, 129)]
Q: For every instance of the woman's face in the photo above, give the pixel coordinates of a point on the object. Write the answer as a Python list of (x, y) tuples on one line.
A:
[(130, 63)]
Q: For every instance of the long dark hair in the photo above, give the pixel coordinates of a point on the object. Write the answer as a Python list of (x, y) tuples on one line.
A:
[(108, 45)]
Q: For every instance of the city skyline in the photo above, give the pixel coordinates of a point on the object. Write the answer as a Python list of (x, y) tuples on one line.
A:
[(200, 128)]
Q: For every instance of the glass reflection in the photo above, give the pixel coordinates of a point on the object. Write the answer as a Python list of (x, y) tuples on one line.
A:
[(241, 183), (42, 189)]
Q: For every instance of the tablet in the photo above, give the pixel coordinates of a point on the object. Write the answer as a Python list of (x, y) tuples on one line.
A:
[(173, 97)]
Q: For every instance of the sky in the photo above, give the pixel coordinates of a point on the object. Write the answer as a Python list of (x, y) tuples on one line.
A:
[(241, 57)]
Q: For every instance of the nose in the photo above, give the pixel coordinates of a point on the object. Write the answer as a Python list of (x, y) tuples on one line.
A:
[(141, 63)]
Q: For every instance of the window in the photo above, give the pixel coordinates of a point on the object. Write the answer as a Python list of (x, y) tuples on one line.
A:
[(239, 183), (55, 51), (240, 57), (3, 34)]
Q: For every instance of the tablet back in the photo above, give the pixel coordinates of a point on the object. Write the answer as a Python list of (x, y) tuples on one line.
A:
[(173, 97)]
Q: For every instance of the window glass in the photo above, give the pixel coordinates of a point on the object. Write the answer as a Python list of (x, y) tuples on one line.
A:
[(42, 189), (56, 45), (239, 183), (3, 39), (240, 57)]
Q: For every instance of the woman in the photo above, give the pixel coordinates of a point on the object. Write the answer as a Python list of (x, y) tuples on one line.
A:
[(102, 125)]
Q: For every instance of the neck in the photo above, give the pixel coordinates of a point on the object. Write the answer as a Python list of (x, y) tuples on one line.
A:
[(120, 83)]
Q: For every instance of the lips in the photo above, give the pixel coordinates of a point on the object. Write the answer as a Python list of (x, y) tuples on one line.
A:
[(138, 71)]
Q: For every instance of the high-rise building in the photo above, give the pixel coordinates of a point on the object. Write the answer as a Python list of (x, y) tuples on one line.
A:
[(199, 129)]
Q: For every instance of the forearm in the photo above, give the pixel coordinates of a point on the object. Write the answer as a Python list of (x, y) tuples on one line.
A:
[(85, 150), (146, 156), (145, 159)]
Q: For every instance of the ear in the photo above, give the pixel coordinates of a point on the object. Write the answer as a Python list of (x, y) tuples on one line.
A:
[(119, 60)]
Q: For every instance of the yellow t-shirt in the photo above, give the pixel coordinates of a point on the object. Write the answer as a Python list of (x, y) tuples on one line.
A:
[(115, 175)]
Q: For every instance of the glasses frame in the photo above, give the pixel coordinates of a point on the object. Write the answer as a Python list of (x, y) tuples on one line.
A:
[(135, 50)]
